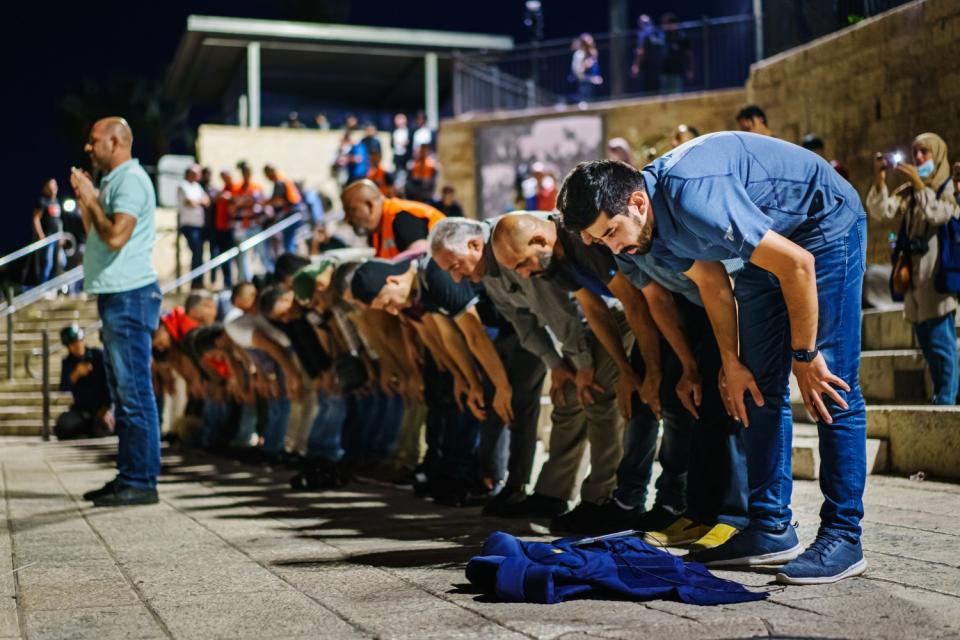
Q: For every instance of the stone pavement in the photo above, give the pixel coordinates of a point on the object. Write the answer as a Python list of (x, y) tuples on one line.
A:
[(232, 553)]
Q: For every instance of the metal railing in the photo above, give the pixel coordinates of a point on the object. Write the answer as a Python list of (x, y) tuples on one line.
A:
[(721, 51), (30, 248), (45, 351)]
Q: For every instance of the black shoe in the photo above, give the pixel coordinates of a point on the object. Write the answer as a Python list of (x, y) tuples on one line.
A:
[(657, 519), (536, 506), (595, 519), (105, 489), (122, 495), (507, 495)]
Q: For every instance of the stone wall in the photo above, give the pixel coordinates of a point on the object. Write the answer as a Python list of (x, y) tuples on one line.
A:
[(872, 87), (644, 123)]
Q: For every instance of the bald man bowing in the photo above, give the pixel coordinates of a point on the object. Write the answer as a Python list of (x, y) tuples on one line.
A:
[(118, 267), (394, 225)]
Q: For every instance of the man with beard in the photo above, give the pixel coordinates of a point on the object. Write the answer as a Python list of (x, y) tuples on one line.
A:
[(393, 225), (701, 494), (118, 267), (582, 377), (534, 245), (801, 230)]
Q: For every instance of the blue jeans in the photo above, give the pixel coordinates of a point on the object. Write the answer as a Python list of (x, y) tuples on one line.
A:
[(290, 235), (264, 252), (324, 440), (766, 350), (194, 237), (129, 318), (47, 262), (938, 340)]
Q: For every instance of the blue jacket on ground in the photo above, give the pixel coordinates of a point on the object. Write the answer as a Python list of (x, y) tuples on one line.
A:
[(513, 570)]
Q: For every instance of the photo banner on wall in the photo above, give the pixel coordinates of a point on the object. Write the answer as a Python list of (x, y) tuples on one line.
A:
[(506, 154)]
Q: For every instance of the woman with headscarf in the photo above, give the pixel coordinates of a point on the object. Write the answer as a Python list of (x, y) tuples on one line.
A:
[(925, 203)]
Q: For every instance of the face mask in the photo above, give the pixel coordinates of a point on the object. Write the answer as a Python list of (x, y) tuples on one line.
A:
[(926, 169)]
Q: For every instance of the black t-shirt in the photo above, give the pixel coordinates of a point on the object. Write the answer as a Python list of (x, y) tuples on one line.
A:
[(306, 344), (90, 393), (452, 210), (440, 293), (676, 59), (50, 220), (582, 266), (333, 242), (408, 228)]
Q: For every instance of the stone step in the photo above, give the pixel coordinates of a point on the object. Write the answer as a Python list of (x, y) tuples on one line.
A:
[(886, 329), (806, 453), (894, 376), (35, 399), (920, 438), (23, 427)]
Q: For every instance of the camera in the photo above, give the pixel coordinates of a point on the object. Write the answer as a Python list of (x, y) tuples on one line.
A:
[(917, 246), (893, 159)]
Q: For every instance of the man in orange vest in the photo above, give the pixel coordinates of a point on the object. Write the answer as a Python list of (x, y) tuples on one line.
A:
[(286, 201), (394, 225), (422, 179)]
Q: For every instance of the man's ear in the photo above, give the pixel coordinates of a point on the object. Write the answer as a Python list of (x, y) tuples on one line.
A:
[(537, 240), (476, 244)]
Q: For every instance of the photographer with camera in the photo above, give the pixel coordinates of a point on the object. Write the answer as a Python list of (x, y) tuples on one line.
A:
[(924, 203)]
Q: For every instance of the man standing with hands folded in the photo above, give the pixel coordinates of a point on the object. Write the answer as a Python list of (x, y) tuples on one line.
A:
[(118, 267), (801, 230)]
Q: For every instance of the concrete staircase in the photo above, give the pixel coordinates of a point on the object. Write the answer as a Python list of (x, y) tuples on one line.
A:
[(21, 399)]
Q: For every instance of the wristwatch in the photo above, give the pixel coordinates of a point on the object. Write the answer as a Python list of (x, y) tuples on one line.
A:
[(805, 356)]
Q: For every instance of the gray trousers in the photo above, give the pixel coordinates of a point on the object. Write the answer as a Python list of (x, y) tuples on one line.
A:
[(574, 426)]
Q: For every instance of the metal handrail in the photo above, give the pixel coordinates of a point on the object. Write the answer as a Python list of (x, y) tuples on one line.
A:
[(30, 248), (175, 284)]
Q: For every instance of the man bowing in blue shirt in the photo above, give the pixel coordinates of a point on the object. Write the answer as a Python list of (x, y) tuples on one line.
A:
[(801, 230)]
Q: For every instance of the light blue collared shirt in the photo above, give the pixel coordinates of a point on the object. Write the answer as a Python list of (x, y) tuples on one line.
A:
[(127, 189), (716, 196)]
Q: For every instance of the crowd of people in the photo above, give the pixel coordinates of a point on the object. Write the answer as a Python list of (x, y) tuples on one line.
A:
[(680, 294), (662, 59)]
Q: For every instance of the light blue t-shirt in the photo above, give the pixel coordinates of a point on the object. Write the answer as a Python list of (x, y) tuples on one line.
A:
[(127, 189), (715, 197), (642, 269)]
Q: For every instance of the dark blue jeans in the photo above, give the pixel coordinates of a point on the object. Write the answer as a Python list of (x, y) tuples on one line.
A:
[(938, 340), (194, 237), (129, 318), (221, 242), (717, 489), (47, 262), (766, 350), (326, 432)]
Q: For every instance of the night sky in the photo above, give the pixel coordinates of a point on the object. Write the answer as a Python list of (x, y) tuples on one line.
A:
[(50, 48)]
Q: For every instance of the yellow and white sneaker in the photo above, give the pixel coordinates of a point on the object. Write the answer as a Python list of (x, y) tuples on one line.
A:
[(717, 535), (682, 531)]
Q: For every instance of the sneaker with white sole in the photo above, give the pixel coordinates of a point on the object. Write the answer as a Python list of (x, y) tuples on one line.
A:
[(830, 558), (752, 546)]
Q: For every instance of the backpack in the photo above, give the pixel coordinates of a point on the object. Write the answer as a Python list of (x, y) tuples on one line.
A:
[(947, 278)]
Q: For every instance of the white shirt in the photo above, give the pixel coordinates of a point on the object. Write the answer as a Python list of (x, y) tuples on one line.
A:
[(190, 216), (241, 328), (421, 136)]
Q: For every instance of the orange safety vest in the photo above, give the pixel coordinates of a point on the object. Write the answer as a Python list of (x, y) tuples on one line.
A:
[(293, 194), (383, 242), (425, 169)]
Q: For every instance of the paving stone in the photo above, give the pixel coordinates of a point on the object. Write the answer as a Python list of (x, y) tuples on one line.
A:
[(105, 623), (201, 576), (250, 615)]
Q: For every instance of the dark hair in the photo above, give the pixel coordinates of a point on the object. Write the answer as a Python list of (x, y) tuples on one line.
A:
[(268, 299), (288, 264), (205, 338), (812, 141), (195, 298), (592, 188), (447, 189), (750, 112), (694, 131), (237, 288)]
